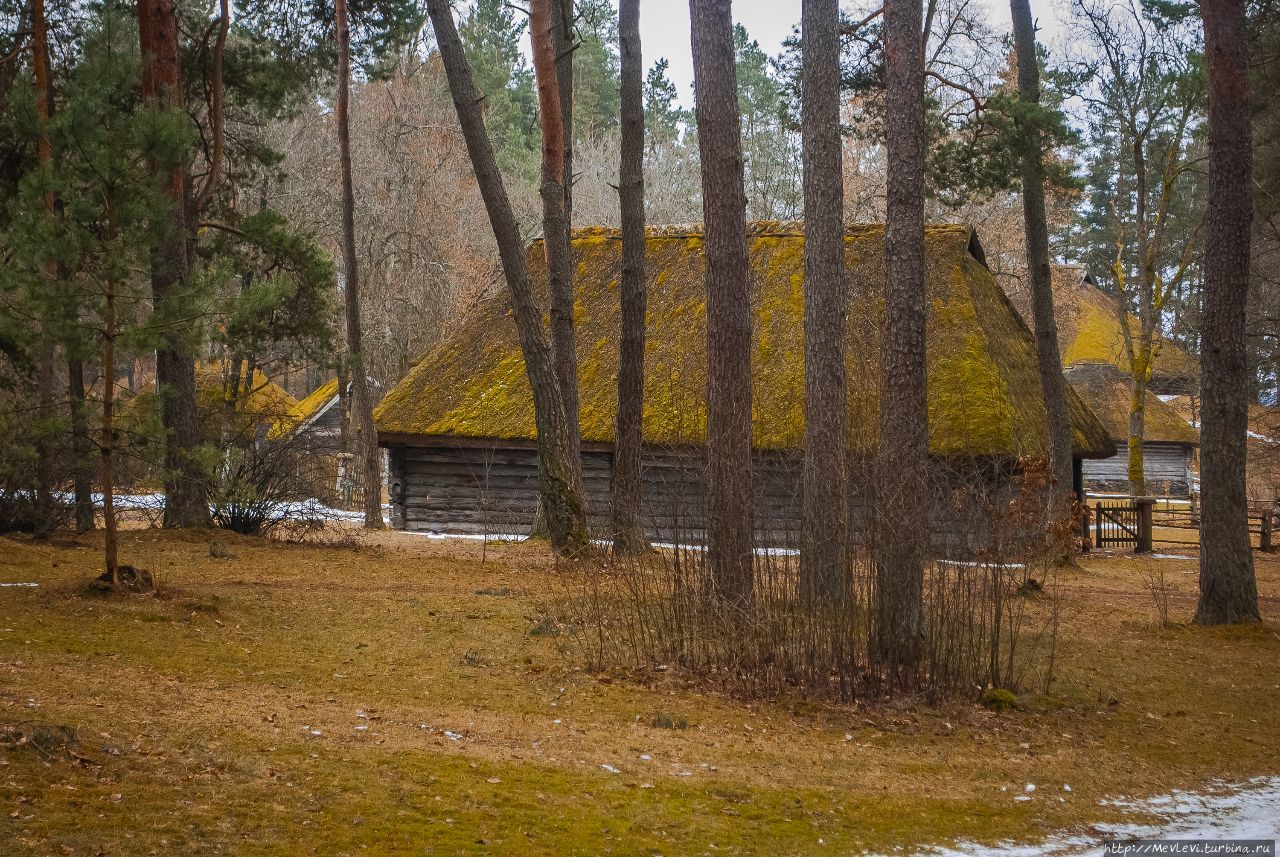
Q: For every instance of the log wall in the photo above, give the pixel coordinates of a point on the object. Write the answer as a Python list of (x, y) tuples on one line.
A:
[(494, 491), (1166, 466)]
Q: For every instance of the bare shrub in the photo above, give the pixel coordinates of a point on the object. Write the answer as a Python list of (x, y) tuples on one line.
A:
[(267, 486), (1153, 578), (990, 614)]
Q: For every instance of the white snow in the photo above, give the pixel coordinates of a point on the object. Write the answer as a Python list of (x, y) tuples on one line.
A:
[(19, 584), (1248, 810)]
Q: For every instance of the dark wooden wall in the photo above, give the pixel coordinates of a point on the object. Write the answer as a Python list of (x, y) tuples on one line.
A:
[(494, 491)]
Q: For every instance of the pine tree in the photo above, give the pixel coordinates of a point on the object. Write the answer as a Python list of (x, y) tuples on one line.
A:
[(1228, 588), (628, 525), (730, 491), (824, 559), (902, 491)]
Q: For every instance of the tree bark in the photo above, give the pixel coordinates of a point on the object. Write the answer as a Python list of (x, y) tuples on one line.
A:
[(562, 24), (555, 226), (1035, 221), (824, 556), (82, 467), (730, 491), (111, 541), (47, 348), (560, 483), (364, 438), (1228, 588), (184, 480), (628, 525), (903, 455), (217, 121)]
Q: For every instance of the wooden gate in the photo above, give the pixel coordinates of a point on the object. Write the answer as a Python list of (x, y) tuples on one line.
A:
[(1127, 524)]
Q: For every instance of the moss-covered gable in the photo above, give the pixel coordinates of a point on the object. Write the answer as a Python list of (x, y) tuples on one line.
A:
[(304, 411), (984, 394), (1089, 330)]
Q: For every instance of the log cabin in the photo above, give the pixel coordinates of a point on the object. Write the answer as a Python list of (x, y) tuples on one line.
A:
[(1089, 331), (1169, 442), (460, 425)]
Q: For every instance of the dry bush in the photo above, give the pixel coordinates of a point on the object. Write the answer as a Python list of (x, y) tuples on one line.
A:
[(1153, 578), (990, 614)]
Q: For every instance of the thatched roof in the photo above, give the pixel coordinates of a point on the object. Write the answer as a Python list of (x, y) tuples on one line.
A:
[(257, 410), (306, 410), (984, 393), (1109, 392), (1089, 329)]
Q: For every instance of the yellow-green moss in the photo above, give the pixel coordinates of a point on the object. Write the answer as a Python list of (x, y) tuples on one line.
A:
[(983, 388)]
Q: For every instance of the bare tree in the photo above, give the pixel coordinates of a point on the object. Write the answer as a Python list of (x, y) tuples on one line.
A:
[(904, 440), (363, 436), (730, 492), (1040, 277), (628, 526), (1228, 588), (184, 484), (1145, 111), (560, 482), (824, 559), (555, 223)]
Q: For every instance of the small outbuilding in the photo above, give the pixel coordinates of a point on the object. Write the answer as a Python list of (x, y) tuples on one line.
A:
[(1169, 442), (460, 425), (1089, 331)]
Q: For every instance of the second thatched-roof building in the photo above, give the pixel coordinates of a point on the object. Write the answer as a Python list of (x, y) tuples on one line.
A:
[(460, 425)]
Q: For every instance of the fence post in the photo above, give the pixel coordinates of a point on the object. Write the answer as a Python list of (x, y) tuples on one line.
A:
[(1265, 542), (1086, 543), (1145, 506), (1097, 529)]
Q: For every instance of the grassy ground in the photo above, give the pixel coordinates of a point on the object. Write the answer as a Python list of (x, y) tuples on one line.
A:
[(392, 699)]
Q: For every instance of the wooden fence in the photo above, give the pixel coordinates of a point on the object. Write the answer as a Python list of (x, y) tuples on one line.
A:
[(1141, 523)]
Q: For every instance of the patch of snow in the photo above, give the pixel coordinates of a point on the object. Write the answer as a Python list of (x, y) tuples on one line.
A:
[(1248, 810), (1169, 556), (970, 564), (611, 769), (19, 584), (452, 736)]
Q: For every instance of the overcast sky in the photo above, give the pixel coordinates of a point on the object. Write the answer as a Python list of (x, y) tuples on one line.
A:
[(664, 29)]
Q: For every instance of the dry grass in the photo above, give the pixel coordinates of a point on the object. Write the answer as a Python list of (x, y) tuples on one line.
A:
[(190, 710)]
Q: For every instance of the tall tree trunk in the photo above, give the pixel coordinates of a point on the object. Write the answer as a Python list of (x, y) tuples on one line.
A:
[(628, 524), (560, 482), (217, 122), (1053, 386), (903, 459), (1140, 351), (82, 466), (824, 558), (1228, 589), (47, 348), (730, 492), (111, 541), (555, 226), (184, 481), (562, 23), (364, 448), (1137, 470)]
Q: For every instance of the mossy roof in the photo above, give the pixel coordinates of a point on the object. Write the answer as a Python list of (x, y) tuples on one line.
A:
[(1089, 328), (983, 389), (265, 404), (304, 411), (1109, 393)]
